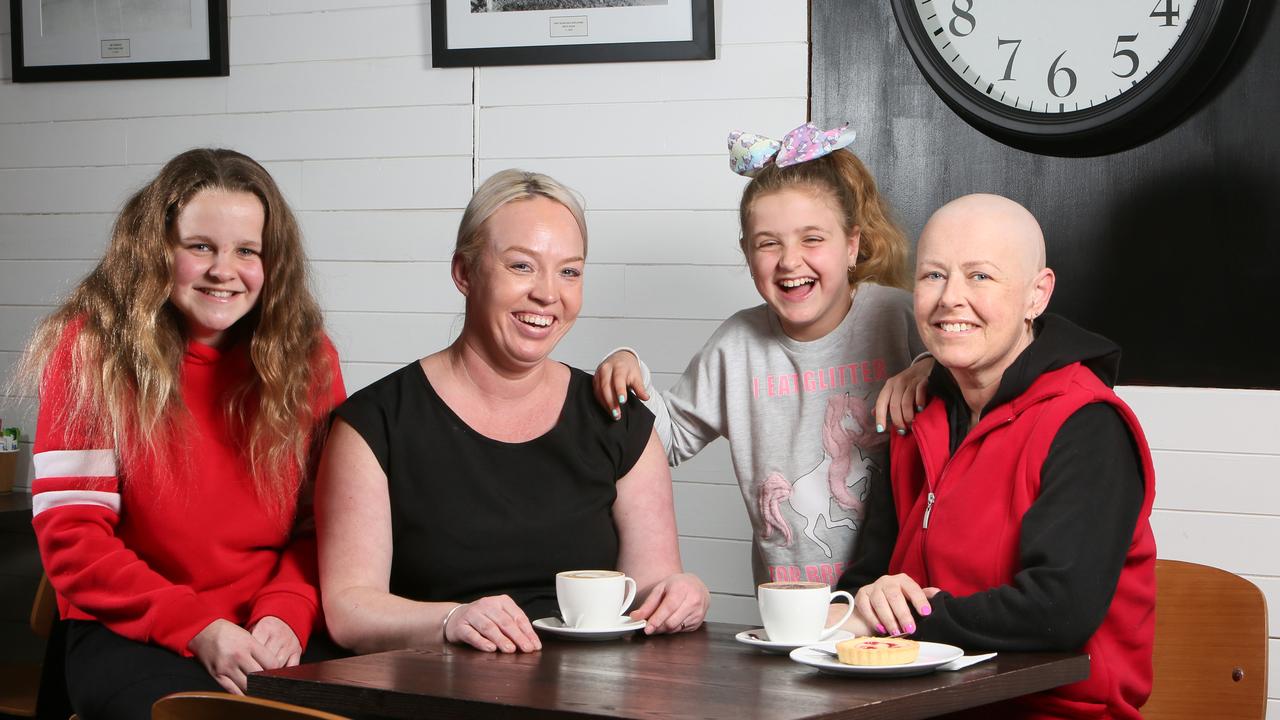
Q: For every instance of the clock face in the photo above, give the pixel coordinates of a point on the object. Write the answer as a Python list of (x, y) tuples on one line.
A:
[(1054, 57), (1070, 77)]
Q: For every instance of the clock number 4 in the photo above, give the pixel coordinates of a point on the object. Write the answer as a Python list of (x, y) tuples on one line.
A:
[(1170, 14), (1131, 55)]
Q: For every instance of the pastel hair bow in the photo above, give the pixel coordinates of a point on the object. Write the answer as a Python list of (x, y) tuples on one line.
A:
[(750, 153)]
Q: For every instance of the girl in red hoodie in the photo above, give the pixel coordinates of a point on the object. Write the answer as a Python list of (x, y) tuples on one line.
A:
[(183, 386)]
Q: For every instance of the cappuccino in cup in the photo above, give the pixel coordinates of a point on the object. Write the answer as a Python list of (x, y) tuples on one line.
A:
[(796, 612), (593, 599)]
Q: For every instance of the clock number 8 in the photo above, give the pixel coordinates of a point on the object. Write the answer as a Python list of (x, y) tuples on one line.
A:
[(962, 14), (1054, 70), (1169, 14)]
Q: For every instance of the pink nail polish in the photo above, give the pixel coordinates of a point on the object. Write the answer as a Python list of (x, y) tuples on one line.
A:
[(880, 628), (926, 610), (911, 629)]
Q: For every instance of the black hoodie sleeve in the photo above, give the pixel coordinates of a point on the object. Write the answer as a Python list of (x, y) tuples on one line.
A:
[(876, 538), (1075, 537)]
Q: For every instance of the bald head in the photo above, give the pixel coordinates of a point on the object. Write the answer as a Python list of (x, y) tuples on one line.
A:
[(997, 224), (981, 281)]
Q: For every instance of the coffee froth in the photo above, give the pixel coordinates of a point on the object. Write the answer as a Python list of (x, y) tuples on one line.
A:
[(792, 585), (591, 574)]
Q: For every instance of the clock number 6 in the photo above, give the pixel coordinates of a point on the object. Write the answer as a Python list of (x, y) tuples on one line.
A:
[(1054, 71), (1133, 56)]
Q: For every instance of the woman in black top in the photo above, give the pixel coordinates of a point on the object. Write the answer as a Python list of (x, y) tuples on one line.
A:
[(452, 491)]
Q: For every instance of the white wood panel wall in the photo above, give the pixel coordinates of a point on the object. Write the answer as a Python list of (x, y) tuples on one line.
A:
[(378, 153)]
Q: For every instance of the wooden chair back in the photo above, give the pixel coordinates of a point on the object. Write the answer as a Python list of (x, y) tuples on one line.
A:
[(218, 705), (20, 682), (1211, 645), (44, 610)]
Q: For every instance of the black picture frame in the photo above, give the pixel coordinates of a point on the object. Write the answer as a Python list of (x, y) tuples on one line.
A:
[(217, 64), (700, 47)]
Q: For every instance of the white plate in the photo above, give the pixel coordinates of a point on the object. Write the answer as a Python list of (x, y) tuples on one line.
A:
[(932, 655), (556, 626), (758, 638)]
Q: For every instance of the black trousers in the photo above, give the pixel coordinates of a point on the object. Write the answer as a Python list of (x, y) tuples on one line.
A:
[(113, 678)]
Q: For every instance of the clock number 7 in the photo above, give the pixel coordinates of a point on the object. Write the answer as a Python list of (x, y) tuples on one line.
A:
[(1169, 14), (1131, 55), (1008, 68)]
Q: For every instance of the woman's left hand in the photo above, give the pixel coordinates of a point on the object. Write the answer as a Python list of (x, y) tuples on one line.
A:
[(678, 603), (279, 640), (887, 603)]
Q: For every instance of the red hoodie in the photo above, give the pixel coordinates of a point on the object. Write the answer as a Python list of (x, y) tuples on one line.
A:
[(970, 542), (158, 568)]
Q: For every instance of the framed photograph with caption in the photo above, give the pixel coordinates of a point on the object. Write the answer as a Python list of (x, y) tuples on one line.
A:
[(539, 32), (55, 40)]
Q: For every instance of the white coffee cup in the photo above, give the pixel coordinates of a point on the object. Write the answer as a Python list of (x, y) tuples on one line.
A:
[(593, 599), (796, 612)]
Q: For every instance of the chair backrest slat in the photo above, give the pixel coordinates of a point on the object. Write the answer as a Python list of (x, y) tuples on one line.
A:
[(216, 706), (1210, 653)]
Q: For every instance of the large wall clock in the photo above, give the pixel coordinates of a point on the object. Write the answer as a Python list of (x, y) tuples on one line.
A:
[(1070, 77)]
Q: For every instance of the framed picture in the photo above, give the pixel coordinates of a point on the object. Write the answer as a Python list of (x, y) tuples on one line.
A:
[(539, 32), (115, 39)]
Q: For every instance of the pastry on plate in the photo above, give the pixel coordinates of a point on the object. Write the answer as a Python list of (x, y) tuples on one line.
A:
[(877, 651)]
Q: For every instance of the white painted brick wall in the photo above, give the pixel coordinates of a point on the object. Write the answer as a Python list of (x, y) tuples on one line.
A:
[(376, 151)]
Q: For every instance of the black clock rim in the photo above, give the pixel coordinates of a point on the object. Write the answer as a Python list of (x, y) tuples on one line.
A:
[(1149, 108)]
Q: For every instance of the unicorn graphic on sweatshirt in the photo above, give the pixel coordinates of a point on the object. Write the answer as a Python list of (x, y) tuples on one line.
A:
[(843, 475)]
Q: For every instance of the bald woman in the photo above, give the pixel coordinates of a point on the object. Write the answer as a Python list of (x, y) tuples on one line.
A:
[(1020, 503)]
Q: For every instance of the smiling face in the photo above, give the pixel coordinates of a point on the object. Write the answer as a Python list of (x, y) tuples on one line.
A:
[(799, 257), (217, 262), (980, 279), (525, 290)]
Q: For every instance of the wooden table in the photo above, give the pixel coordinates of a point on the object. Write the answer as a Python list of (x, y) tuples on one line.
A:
[(705, 674)]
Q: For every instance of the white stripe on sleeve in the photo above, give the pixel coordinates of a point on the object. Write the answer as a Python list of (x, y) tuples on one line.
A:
[(75, 463), (60, 498)]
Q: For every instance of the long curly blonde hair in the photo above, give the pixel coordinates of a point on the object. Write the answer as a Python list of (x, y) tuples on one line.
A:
[(125, 380), (841, 176)]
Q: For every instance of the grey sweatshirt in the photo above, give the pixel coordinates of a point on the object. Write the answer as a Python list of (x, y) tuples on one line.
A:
[(800, 420)]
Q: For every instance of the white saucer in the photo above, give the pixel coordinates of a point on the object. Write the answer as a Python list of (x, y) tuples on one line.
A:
[(758, 638), (932, 655), (556, 626)]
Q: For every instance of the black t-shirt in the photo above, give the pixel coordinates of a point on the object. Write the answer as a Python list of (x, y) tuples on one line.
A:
[(472, 516)]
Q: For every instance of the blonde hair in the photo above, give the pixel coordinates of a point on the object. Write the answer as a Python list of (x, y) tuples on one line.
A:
[(504, 187), (124, 373), (841, 176)]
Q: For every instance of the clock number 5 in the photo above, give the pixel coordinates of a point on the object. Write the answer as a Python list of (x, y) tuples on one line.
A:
[(1055, 71), (1008, 68), (1131, 55), (1170, 13)]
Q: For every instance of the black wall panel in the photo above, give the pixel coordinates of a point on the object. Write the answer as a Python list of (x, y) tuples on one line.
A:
[(1171, 249)]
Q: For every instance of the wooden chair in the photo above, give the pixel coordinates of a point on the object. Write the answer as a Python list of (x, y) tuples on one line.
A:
[(20, 682), (44, 610), (1211, 645), (217, 705)]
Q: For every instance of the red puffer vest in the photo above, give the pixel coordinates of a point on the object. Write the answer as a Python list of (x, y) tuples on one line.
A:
[(969, 541)]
